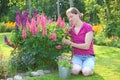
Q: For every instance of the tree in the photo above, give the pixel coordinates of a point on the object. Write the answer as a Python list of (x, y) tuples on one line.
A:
[(113, 17), (3, 8)]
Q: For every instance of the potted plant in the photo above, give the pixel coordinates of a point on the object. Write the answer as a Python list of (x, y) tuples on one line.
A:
[(64, 66)]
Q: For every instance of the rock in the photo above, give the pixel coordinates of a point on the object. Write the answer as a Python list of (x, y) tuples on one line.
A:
[(17, 77), (47, 71), (22, 74), (10, 79), (34, 73), (40, 72)]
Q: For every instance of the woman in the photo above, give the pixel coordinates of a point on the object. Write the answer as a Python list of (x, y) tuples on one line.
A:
[(82, 43)]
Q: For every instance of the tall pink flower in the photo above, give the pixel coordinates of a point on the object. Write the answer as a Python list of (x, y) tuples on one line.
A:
[(24, 34), (60, 22), (53, 37), (28, 24), (43, 24), (33, 27), (58, 47), (38, 20)]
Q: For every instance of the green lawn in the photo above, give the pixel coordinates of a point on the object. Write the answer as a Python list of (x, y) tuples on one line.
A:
[(107, 64), (4, 49)]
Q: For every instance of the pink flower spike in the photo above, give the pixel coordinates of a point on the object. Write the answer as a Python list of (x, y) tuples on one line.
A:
[(33, 28), (38, 19), (28, 24), (58, 47), (24, 34), (62, 24), (43, 24), (36, 30), (53, 37), (59, 21)]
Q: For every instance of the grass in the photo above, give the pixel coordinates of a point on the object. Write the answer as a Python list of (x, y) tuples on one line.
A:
[(107, 65), (4, 49)]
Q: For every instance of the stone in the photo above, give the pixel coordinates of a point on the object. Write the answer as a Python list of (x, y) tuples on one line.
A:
[(34, 73), (40, 72), (17, 77), (10, 79), (47, 71)]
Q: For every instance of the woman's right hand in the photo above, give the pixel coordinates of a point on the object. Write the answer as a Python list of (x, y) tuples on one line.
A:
[(66, 41)]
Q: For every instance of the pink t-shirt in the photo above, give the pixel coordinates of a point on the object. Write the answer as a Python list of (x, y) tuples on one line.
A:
[(80, 38)]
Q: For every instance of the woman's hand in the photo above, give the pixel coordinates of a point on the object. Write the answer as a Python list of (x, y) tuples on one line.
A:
[(66, 41)]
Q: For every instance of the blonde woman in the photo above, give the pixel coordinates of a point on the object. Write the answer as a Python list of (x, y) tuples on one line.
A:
[(83, 59)]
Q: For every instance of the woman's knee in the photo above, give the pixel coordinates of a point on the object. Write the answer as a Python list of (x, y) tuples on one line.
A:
[(76, 68), (87, 71)]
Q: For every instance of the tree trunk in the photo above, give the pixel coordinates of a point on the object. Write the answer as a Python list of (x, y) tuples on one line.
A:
[(29, 4), (71, 3), (58, 7)]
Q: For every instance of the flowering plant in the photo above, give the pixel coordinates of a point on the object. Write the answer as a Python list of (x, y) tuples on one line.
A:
[(37, 40), (64, 60)]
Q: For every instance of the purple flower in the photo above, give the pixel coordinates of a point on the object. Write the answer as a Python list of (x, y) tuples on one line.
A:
[(24, 18), (7, 42), (18, 19), (35, 13)]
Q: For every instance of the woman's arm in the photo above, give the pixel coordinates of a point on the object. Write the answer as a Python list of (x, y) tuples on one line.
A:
[(86, 45)]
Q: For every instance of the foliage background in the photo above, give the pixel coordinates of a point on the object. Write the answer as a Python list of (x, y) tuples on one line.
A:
[(104, 12)]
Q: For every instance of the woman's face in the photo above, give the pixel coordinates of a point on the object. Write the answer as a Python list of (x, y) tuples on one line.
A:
[(73, 18)]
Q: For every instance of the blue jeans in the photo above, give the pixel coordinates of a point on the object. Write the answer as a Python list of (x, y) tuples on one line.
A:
[(84, 60)]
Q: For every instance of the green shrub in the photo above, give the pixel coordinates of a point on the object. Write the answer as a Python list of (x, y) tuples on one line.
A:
[(115, 43), (38, 43), (101, 39), (2, 27), (5, 27)]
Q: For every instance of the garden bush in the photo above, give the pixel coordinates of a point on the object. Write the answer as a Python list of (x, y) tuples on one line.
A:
[(10, 26), (2, 27), (37, 41), (6, 27), (101, 39)]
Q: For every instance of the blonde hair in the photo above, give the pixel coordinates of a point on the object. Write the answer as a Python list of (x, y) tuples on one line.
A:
[(74, 10)]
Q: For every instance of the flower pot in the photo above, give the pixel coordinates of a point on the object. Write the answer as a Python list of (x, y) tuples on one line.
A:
[(64, 72)]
